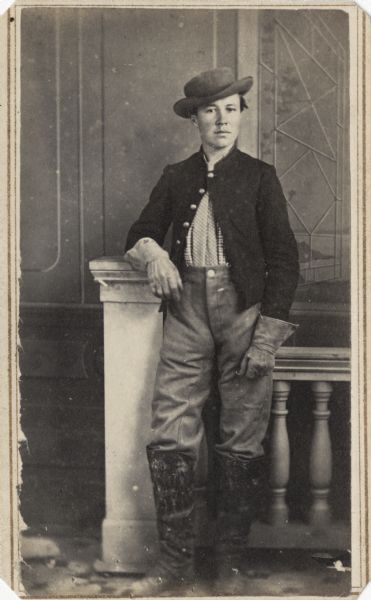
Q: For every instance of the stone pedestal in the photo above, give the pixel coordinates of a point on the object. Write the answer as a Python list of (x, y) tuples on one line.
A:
[(132, 338)]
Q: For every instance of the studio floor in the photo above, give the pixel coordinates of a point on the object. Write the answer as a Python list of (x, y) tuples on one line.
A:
[(258, 572)]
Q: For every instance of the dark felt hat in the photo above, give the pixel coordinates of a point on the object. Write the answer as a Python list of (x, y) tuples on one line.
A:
[(209, 86)]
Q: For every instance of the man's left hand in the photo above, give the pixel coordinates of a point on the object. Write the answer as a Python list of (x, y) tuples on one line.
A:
[(256, 363)]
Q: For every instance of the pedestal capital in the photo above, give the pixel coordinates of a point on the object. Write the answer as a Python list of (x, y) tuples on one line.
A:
[(119, 282)]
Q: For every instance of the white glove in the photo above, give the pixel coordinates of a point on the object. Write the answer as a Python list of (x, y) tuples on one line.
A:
[(163, 276)]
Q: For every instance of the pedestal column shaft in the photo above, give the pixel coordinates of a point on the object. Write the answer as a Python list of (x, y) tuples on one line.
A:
[(132, 340)]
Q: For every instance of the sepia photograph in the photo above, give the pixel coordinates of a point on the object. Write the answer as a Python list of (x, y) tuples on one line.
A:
[(188, 241)]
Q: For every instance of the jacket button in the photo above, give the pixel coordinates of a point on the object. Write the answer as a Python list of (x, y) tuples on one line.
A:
[(201, 191), (178, 242), (193, 206), (210, 175), (185, 224)]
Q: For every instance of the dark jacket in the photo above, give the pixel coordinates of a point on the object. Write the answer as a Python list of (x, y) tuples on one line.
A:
[(250, 208)]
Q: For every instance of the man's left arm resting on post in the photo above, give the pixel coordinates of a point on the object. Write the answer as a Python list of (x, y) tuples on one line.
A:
[(282, 268), (145, 238), (155, 218)]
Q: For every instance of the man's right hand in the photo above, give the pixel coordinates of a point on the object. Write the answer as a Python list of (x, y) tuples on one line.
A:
[(164, 278)]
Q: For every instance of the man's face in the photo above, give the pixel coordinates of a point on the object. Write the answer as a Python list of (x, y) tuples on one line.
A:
[(219, 122)]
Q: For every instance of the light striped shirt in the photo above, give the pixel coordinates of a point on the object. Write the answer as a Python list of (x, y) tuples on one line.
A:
[(204, 244)]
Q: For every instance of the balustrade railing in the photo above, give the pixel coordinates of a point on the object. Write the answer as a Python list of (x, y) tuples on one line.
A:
[(320, 367)]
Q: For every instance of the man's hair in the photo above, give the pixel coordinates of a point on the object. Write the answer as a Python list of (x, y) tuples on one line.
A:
[(243, 105)]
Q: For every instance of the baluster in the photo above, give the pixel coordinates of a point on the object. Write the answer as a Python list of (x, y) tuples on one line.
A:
[(280, 454), (320, 455)]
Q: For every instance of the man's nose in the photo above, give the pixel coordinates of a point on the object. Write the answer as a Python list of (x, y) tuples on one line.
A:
[(221, 117)]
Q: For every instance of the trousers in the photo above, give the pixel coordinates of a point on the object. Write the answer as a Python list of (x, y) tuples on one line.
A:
[(206, 326)]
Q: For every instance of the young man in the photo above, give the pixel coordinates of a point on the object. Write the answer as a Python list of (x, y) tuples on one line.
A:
[(228, 284)]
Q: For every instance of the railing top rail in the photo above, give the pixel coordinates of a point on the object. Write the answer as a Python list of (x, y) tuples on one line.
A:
[(313, 364), (303, 353)]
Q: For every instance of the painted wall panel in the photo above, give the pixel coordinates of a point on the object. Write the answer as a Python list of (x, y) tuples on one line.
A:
[(39, 151), (303, 68), (50, 167), (92, 147), (142, 81)]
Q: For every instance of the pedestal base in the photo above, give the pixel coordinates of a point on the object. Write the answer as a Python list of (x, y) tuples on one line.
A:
[(128, 547)]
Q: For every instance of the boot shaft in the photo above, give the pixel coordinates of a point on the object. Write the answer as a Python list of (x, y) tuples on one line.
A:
[(241, 482), (172, 475), (241, 485)]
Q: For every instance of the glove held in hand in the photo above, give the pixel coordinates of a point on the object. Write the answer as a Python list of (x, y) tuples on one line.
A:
[(268, 336)]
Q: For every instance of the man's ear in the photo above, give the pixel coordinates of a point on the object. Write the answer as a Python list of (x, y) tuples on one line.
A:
[(194, 120)]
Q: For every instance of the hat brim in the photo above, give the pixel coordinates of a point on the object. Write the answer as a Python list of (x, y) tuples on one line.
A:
[(186, 106)]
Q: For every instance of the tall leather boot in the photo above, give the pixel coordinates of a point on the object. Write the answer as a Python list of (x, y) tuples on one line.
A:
[(172, 476), (241, 487)]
